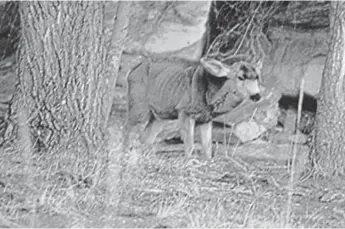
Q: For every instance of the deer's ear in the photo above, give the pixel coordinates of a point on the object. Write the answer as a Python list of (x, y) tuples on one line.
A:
[(215, 67)]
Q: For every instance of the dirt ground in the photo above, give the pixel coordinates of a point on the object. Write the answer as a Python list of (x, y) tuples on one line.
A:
[(165, 189)]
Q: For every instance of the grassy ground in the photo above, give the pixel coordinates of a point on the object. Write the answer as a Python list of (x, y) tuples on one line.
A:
[(165, 190), (145, 188)]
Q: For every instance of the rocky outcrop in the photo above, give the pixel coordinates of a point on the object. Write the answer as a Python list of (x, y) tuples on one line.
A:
[(295, 55), (174, 29), (168, 27), (299, 34)]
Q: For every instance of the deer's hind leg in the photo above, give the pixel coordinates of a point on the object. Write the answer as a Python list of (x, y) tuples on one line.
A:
[(152, 129), (206, 138), (187, 127)]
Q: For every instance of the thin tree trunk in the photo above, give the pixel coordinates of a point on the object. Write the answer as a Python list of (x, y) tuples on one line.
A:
[(330, 132), (117, 155), (117, 43)]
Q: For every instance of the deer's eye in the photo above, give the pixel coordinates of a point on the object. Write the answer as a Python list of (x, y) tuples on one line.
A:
[(241, 78)]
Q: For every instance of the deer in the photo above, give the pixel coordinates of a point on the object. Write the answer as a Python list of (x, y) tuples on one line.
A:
[(189, 91)]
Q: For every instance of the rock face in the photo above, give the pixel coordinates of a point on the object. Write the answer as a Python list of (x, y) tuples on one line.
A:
[(168, 27), (298, 32), (174, 29), (295, 55), (299, 36)]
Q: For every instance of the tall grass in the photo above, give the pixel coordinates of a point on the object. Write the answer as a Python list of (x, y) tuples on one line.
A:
[(294, 153)]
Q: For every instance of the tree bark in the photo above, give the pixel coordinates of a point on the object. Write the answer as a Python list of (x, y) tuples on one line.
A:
[(117, 43), (62, 86), (330, 130), (117, 154)]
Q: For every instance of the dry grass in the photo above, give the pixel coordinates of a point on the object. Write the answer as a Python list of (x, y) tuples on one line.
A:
[(161, 189)]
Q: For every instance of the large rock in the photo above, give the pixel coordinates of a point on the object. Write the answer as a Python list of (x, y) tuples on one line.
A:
[(162, 28), (168, 27), (165, 27), (295, 55)]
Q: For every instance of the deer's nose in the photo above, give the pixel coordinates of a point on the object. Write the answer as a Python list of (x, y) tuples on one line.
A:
[(255, 97)]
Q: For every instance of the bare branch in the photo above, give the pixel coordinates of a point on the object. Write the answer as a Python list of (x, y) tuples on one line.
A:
[(242, 38)]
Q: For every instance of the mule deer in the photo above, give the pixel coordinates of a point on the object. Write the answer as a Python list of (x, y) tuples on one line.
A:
[(188, 91)]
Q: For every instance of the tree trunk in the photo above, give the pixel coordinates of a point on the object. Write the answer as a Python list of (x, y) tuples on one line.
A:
[(117, 154), (117, 43), (330, 132), (62, 87)]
